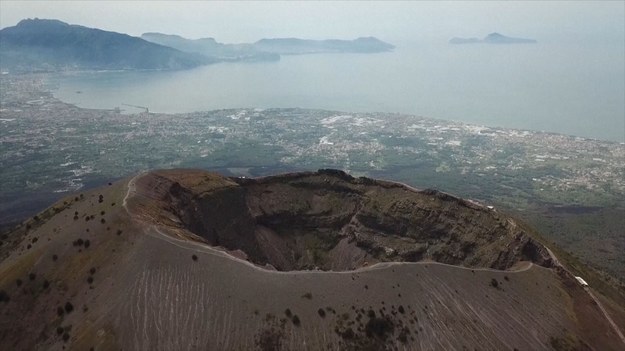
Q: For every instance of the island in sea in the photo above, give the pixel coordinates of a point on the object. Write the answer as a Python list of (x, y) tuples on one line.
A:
[(492, 38)]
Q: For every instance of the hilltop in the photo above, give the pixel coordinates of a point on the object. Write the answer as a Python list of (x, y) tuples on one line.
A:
[(180, 259), (51, 45)]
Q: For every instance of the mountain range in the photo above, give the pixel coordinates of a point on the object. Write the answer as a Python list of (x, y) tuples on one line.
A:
[(211, 48), (267, 49), (43, 44)]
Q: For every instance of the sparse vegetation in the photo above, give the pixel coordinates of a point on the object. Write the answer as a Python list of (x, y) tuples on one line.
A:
[(403, 335), (494, 283), (567, 343), (346, 333), (322, 313), (379, 327), (269, 339), (194, 257), (295, 320), (307, 295), (69, 307)]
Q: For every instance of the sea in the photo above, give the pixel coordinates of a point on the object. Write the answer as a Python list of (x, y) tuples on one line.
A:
[(568, 89)]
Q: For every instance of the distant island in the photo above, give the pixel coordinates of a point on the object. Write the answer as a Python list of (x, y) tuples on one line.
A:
[(53, 45), (267, 49), (492, 38), (294, 46)]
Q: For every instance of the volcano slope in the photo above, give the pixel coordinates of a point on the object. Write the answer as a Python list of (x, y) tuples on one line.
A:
[(186, 259)]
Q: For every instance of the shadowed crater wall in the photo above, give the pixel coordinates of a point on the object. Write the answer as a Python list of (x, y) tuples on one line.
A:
[(329, 220)]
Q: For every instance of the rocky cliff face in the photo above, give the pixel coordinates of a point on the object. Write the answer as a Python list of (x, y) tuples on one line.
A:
[(329, 220)]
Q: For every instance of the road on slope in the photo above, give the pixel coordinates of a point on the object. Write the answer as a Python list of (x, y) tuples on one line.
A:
[(616, 329)]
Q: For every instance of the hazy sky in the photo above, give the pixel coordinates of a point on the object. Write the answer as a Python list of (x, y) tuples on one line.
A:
[(391, 21)]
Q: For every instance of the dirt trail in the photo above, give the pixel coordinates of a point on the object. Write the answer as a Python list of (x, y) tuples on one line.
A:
[(156, 232), (616, 329), (607, 316), (131, 190)]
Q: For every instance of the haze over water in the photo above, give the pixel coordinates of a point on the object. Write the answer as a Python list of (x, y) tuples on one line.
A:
[(554, 87)]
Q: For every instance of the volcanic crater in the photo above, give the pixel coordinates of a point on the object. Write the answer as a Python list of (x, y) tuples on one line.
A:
[(188, 259), (329, 220)]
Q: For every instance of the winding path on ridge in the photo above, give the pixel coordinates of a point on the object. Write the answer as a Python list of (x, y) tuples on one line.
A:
[(592, 296)]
